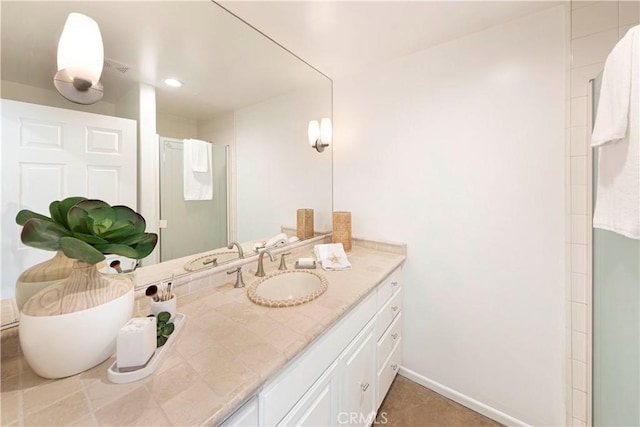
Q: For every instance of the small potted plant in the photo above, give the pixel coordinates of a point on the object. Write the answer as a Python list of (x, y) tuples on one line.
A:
[(85, 311)]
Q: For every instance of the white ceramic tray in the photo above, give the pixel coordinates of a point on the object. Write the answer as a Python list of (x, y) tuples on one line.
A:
[(115, 376)]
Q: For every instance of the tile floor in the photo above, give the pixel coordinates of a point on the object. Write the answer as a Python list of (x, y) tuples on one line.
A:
[(410, 405)]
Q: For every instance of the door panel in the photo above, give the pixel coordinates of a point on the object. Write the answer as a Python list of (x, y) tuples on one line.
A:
[(52, 153)]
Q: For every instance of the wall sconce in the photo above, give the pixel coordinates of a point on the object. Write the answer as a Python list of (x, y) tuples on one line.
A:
[(320, 134), (80, 60)]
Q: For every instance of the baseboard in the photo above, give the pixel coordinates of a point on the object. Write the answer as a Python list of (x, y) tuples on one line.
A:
[(462, 399)]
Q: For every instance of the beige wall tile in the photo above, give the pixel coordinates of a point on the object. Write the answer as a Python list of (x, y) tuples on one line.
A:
[(579, 288), (579, 111), (579, 317), (578, 346), (594, 18), (578, 258), (579, 170), (629, 13), (623, 30), (579, 373), (578, 199), (578, 423), (593, 49), (579, 229), (577, 4), (580, 77), (579, 405), (578, 141)]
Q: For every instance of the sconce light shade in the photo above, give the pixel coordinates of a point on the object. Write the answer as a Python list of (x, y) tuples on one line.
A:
[(326, 131), (80, 60), (320, 134), (314, 132)]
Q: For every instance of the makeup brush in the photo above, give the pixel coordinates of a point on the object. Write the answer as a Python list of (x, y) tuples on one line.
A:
[(169, 291), (152, 292), (115, 264)]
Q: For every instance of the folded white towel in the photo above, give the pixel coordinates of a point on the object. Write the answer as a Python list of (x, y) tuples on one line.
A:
[(616, 133), (198, 153), (332, 256), (198, 182)]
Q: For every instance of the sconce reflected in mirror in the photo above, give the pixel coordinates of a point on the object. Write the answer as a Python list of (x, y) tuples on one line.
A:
[(320, 134), (80, 60)]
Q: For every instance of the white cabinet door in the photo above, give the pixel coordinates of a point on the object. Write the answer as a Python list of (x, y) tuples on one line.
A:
[(319, 406), (246, 416), (52, 153), (358, 376)]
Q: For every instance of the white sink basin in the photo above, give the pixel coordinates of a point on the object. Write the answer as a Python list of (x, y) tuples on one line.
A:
[(287, 288), (206, 261)]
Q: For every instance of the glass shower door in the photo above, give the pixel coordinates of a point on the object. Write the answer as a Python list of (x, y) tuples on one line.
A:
[(192, 226), (616, 321)]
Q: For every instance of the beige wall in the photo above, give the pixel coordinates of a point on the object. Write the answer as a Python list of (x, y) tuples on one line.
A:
[(458, 150)]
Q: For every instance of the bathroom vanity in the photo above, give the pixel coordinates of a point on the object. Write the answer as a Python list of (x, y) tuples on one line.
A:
[(327, 362), (343, 376)]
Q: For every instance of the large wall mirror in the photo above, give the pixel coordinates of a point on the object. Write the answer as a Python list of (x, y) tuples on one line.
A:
[(248, 97)]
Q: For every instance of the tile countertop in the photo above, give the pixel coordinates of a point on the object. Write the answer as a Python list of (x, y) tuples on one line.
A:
[(227, 350)]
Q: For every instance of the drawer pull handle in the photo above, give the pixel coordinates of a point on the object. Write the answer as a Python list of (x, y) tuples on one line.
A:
[(394, 336), (364, 387), (394, 284), (394, 367), (395, 308)]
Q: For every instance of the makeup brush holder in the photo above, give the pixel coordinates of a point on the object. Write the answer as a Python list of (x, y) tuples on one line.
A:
[(169, 306)]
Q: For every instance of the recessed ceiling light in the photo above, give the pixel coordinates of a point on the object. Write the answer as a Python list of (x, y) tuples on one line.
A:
[(173, 82)]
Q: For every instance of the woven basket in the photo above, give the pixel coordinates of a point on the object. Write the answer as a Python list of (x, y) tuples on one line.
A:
[(342, 229), (305, 224)]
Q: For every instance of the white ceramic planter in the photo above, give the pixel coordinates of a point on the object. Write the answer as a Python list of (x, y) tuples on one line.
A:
[(67, 344)]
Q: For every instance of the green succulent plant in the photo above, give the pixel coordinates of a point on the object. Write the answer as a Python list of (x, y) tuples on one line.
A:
[(164, 328), (87, 229)]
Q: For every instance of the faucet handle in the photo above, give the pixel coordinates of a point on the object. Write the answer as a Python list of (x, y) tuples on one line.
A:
[(283, 266), (239, 280), (213, 261)]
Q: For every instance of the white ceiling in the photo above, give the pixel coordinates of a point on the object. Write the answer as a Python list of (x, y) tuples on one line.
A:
[(339, 37), (224, 64)]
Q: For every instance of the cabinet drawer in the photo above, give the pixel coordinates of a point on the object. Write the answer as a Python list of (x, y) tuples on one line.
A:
[(388, 372), (388, 341), (389, 287), (388, 313)]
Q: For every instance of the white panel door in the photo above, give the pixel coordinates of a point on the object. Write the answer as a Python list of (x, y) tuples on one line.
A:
[(52, 153)]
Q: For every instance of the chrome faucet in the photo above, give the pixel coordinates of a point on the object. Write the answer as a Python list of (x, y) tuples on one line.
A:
[(260, 272), (239, 281), (236, 244)]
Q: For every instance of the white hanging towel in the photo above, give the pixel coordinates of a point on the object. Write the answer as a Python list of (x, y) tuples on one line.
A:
[(616, 133), (197, 173)]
